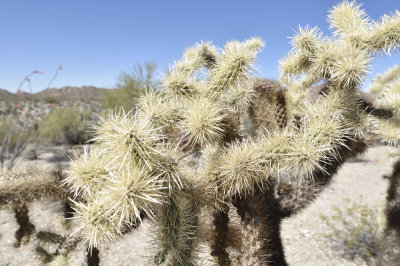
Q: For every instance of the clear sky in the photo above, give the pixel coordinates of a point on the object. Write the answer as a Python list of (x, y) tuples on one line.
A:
[(96, 40)]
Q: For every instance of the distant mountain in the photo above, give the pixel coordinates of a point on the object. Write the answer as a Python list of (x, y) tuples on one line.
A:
[(72, 93), (83, 93), (6, 95)]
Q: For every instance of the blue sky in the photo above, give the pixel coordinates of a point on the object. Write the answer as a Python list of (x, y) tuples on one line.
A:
[(97, 40)]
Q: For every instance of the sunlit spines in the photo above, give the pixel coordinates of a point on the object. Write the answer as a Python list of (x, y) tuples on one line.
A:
[(381, 80), (176, 232), (94, 224), (87, 173), (349, 21), (208, 154), (304, 83), (254, 44), (306, 41), (295, 66), (203, 54), (394, 87), (384, 36), (385, 89), (127, 138), (205, 176), (202, 121), (350, 68), (329, 118), (329, 132), (323, 60), (294, 63), (234, 64), (274, 147), (313, 141), (295, 98), (335, 102), (300, 71), (240, 168), (179, 81), (305, 156), (181, 66), (169, 166), (131, 191), (343, 61), (388, 132), (392, 101), (239, 96), (159, 110), (360, 123)]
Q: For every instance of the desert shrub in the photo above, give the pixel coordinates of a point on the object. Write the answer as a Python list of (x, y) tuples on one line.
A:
[(11, 133), (355, 231), (66, 126), (395, 154), (50, 99), (130, 87), (14, 138), (8, 127)]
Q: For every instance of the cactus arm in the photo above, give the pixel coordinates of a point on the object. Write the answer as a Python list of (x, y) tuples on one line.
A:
[(203, 54), (234, 63), (385, 35), (23, 187), (294, 196), (250, 231), (176, 233)]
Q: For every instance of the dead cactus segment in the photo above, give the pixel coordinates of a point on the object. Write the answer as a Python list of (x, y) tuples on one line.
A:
[(24, 187), (220, 237)]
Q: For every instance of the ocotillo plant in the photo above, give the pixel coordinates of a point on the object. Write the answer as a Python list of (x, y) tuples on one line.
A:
[(27, 134), (215, 144)]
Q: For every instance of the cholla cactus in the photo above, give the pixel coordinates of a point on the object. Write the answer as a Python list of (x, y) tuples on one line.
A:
[(386, 91), (214, 140)]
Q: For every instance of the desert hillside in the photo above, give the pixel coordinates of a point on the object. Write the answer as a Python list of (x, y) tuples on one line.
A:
[(84, 93)]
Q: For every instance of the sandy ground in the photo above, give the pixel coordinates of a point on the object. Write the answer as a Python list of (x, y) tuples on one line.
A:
[(359, 181), (304, 235)]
